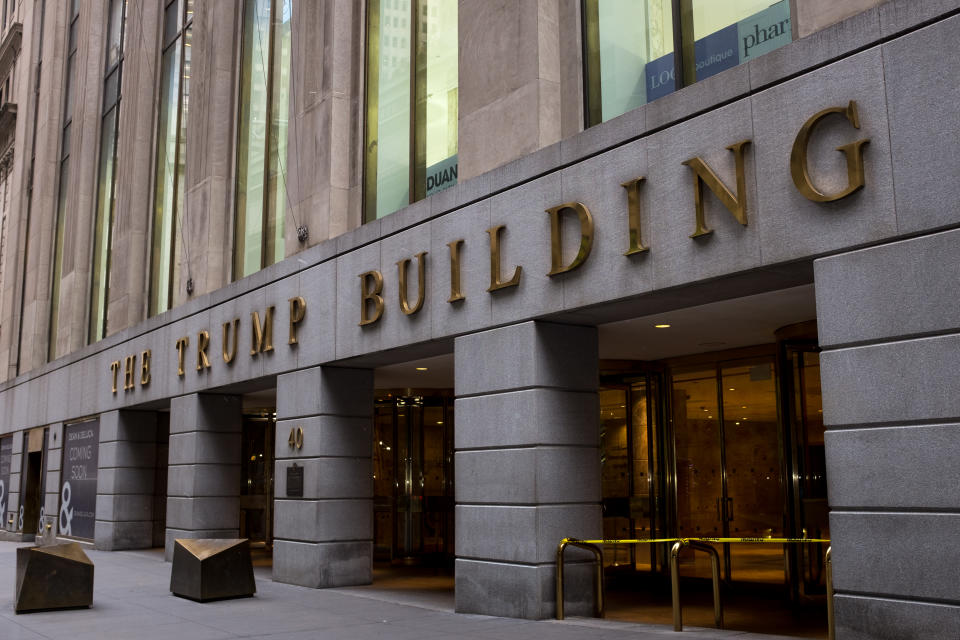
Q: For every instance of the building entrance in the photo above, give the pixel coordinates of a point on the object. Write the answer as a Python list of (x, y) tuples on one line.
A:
[(33, 487), (256, 477), (413, 478), (727, 444)]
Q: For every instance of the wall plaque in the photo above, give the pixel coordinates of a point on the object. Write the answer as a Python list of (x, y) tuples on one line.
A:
[(294, 481)]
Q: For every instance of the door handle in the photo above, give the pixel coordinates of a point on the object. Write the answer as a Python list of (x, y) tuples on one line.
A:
[(729, 509), (719, 514)]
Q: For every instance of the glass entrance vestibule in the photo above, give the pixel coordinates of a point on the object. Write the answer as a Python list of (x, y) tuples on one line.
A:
[(717, 445)]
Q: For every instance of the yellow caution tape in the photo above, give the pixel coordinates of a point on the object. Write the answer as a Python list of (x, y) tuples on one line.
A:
[(686, 540)]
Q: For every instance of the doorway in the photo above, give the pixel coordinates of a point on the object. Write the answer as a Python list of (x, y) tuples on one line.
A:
[(413, 478), (256, 477), (631, 426), (729, 467), (33, 485)]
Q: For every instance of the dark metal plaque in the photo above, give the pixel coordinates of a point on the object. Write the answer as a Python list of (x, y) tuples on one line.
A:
[(294, 482)]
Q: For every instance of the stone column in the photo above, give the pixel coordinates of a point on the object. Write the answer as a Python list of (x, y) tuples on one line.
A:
[(13, 491), (889, 327), (520, 79), (324, 159), (527, 466), (51, 484), (203, 480), (324, 538), (127, 461)]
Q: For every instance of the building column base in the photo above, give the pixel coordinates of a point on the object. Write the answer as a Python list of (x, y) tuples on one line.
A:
[(323, 564)]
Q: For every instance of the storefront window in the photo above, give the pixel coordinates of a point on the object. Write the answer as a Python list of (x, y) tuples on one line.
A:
[(171, 154), (631, 52), (262, 141), (412, 84), (106, 181)]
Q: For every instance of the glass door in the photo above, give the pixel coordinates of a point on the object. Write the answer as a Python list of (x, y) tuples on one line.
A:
[(413, 479), (754, 498), (804, 410), (729, 478), (630, 423), (256, 469)]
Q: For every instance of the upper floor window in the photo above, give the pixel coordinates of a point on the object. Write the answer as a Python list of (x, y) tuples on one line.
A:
[(59, 239), (107, 179), (634, 50), (261, 200), (171, 154), (411, 121)]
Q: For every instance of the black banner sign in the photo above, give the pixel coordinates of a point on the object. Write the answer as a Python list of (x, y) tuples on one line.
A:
[(78, 491)]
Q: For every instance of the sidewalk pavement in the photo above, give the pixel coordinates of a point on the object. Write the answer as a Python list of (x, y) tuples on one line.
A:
[(132, 600)]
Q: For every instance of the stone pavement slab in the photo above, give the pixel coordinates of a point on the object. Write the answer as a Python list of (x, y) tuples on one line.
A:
[(132, 600)]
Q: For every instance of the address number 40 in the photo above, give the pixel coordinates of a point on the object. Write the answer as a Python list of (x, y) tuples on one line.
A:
[(296, 438)]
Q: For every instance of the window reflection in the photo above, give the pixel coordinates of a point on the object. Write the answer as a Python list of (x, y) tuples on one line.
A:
[(171, 156), (412, 97), (262, 141)]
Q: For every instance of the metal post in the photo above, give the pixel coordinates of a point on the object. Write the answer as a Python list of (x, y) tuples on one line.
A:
[(675, 585), (598, 577), (831, 625), (560, 548), (715, 569)]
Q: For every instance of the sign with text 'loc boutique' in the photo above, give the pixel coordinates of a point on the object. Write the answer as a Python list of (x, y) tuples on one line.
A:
[(78, 491)]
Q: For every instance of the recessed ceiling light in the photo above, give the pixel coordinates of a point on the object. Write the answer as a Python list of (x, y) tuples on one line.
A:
[(661, 326), (421, 368), (731, 389)]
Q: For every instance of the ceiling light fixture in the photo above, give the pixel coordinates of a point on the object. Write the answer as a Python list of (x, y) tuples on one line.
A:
[(421, 368), (661, 326)]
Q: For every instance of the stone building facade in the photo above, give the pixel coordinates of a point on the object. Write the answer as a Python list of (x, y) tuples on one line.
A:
[(792, 215)]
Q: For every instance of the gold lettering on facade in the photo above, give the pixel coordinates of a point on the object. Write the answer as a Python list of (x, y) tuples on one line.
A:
[(704, 175), (375, 296), (261, 337), (114, 368), (230, 348), (203, 341), (182, 345), (145, 367), (496, 282), (853, 152), (634, 216), (129, 365), (421, 284), (455, 293), (298, 309), (556, 246)]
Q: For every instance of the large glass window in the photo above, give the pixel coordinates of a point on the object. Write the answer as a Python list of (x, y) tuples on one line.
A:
[(412, 84), (64, 178), (262, 141), (171, 153), (106, 181), (632, 57)]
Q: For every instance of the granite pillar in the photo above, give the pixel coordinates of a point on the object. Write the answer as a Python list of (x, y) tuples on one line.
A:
[(527, 467), (323, 532), (203, 485)]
